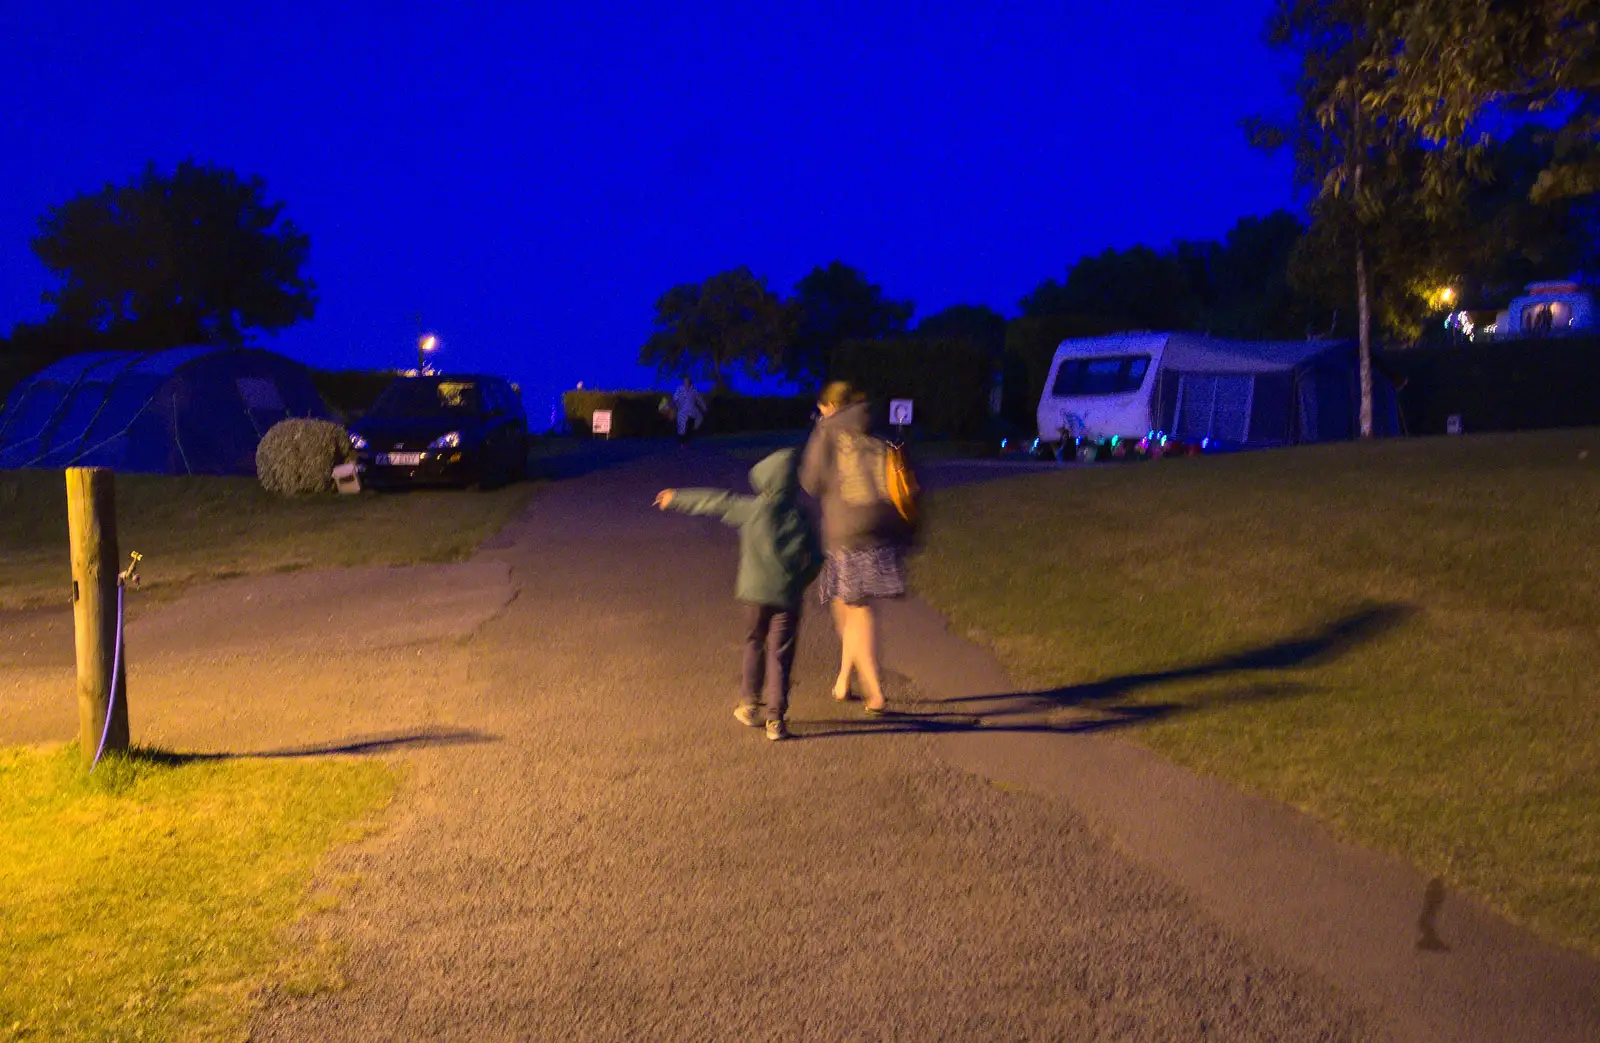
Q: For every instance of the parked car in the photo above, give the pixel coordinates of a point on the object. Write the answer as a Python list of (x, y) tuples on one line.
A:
[(442, 430)]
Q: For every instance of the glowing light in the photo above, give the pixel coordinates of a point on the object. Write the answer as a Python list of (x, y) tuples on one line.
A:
[(1447, 294), (427, 342)]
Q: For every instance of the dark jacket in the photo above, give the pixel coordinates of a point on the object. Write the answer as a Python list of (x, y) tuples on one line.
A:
[(843, 469), (778, 552)]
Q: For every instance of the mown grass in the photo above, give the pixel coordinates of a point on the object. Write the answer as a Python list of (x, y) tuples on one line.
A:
[(191, 529), (1402, 638), (151, 900)]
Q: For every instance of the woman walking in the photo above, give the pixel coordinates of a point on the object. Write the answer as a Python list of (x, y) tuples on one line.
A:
[(863, 535)]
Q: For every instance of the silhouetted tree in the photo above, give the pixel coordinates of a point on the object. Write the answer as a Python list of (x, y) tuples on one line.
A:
[(977, 324), (835, 304), (196, 256), (731, 322)]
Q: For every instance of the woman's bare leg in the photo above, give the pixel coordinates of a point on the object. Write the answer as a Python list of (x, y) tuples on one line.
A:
[(864, 629), (841, 685)]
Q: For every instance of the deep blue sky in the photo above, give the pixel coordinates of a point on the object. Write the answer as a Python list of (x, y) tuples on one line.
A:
[(530, 181)]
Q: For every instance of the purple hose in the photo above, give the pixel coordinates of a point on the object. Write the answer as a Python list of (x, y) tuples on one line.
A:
[(116, 669)]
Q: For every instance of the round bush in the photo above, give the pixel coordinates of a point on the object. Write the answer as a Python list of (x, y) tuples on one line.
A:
[(297, 457)]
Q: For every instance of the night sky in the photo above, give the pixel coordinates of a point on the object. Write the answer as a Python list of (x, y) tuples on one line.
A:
[(529, 181)]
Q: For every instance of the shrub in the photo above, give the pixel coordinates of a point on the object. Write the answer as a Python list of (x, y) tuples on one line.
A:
[(297, 457), (947, 378), (637, 414), (1512, 385), (634, 414)]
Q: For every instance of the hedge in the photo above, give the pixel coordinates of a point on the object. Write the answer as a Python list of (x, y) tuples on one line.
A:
[(637, 414), (948, 379), (1511, 385)]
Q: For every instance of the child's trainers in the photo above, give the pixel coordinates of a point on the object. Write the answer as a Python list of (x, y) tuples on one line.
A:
[(777, 730), (748, 715)]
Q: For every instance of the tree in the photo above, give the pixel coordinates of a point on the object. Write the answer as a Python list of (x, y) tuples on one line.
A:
[(835, 304), (195, 257), (731, 322), (1456, 62), (977, 324), (1350, 146), (1139, 287), (1235, 288)]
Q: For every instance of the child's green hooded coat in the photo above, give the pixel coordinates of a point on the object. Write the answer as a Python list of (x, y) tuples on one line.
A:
[(779, 554)]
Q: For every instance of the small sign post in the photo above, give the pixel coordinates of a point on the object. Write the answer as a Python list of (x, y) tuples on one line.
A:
[(900, 414), (1452, 424), (601, 424)]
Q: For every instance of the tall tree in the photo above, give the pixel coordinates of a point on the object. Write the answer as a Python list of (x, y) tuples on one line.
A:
[(835, 304), (1457, 61), (1350, 147), (199, 255), (729, 323), (977, 324), (1141, 286), (1235, 288)]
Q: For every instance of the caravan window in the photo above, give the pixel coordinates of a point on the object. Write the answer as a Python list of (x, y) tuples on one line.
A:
[(1546, 316), (1113, 375)]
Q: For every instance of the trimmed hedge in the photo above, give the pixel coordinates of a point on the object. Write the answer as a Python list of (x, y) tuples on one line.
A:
[(296, 456), (637, 414), (948, 379), (1512, 385)]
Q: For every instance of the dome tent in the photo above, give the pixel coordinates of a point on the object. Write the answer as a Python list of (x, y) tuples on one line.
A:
[(198, 410)]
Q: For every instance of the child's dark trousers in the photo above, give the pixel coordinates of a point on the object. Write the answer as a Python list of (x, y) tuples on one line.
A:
[(770, 632)]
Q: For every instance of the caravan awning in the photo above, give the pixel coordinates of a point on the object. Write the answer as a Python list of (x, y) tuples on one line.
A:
[(1190, 353)]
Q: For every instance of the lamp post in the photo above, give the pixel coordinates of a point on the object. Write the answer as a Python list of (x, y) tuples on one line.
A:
[(426, 343)]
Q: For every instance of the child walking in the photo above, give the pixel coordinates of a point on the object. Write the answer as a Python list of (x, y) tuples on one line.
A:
[(779, 556)]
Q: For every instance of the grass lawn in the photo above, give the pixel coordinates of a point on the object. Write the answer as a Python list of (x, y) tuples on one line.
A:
[(151, 900), (1402, 638), (204, 528)]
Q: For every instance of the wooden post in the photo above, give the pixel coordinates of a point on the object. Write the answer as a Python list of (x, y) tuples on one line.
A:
[(92, 530)]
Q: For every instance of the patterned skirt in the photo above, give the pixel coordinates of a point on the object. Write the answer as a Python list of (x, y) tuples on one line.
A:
[(859, 576)]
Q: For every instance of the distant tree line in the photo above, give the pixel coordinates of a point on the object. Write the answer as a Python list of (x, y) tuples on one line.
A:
[(1442, 146)]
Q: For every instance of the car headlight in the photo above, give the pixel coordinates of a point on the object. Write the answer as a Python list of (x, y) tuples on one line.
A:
[(451, 440), (357, 442)]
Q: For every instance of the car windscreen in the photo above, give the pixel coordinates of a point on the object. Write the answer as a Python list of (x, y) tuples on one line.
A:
[(1109, 375), (418, 398)]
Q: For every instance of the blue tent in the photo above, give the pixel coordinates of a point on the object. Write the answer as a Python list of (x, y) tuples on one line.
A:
[(193, 410), (1267, 392)]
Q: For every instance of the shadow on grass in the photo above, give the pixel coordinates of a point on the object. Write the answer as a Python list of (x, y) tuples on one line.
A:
[(363, 746), (1099, 701)]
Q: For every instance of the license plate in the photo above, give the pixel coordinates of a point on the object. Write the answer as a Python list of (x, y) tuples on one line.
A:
[(399, 459)]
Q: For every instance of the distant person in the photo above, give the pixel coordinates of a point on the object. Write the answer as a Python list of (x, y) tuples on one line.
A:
[(779, 556), (864, 537), (690, 407)]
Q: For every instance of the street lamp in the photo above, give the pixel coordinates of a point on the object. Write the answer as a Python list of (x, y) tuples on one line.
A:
[(1448, 295), (426, 343)]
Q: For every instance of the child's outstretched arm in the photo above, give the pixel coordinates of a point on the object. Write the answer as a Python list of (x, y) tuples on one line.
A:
[(732, 508)]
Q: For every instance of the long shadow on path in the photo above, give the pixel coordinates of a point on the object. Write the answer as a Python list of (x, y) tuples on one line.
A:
[(998, 712), (364, 746)]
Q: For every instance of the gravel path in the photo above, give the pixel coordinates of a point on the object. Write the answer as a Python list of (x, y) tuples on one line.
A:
[(603, 853), (589, 847)]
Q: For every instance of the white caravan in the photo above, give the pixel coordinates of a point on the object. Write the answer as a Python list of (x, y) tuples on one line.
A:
[(1197, 388)]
